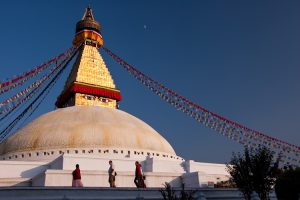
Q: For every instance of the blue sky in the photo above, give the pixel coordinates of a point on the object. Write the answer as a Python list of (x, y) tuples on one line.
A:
[(239, 59)]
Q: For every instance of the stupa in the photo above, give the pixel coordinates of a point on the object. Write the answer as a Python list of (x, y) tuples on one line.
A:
[(89, 129)]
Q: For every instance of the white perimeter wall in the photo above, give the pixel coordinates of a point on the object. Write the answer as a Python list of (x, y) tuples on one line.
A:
[(100, 179), (94, 171), (17, 169)]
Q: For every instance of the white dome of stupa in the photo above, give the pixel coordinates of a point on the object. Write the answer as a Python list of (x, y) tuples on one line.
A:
[(85, 127)]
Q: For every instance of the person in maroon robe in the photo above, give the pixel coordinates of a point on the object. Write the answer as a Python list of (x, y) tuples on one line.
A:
[(76, 177), (139, 178)]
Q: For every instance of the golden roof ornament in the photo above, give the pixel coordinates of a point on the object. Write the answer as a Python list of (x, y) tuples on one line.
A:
[(90, 82), (88, 30)]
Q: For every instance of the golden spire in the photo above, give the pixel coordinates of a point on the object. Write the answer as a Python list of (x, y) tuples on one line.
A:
[(88, 14), (90, 82), (88, 29)]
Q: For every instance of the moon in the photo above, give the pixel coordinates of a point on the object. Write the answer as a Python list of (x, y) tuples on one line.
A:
[(145, 27)]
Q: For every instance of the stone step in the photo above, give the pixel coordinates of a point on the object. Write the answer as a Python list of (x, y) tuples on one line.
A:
[(86, 193), (15, 182)]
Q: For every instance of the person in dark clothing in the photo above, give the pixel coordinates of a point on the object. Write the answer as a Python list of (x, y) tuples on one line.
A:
[(111, 174), (76, 177), (139, 179)]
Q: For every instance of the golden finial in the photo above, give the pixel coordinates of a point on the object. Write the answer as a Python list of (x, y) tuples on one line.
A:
[(88, 30)]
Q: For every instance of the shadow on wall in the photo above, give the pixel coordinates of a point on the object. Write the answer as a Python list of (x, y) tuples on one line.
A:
[(36, 174), (26, 183), (176, 182), (33, 171)]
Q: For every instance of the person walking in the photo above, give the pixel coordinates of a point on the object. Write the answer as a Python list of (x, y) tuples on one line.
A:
[(139, 179), (111, 174), (76, 177)]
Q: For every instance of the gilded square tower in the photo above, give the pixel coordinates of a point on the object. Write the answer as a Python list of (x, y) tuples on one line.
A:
[(90, 82)]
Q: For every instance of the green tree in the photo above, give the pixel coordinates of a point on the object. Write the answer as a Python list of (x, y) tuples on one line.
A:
[(239, 168), (287, 186), (254, 170), (168, 193), (265, 171), (225, 184)]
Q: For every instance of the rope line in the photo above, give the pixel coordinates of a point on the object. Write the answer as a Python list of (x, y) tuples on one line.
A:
[(232, 130), (7, 131), (34, 85), (39, 103), (29, 93), (29, 74)]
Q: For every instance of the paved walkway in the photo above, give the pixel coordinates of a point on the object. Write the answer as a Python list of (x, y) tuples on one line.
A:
[(68, 193)]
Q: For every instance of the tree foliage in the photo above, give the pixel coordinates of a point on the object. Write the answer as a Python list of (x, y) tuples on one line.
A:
[(168, 193), (225, 184), (254, 170), (287, 185), (240, 170)]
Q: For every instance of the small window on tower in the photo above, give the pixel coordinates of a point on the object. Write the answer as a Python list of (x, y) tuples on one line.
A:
[(104, 100), (88, 97)]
